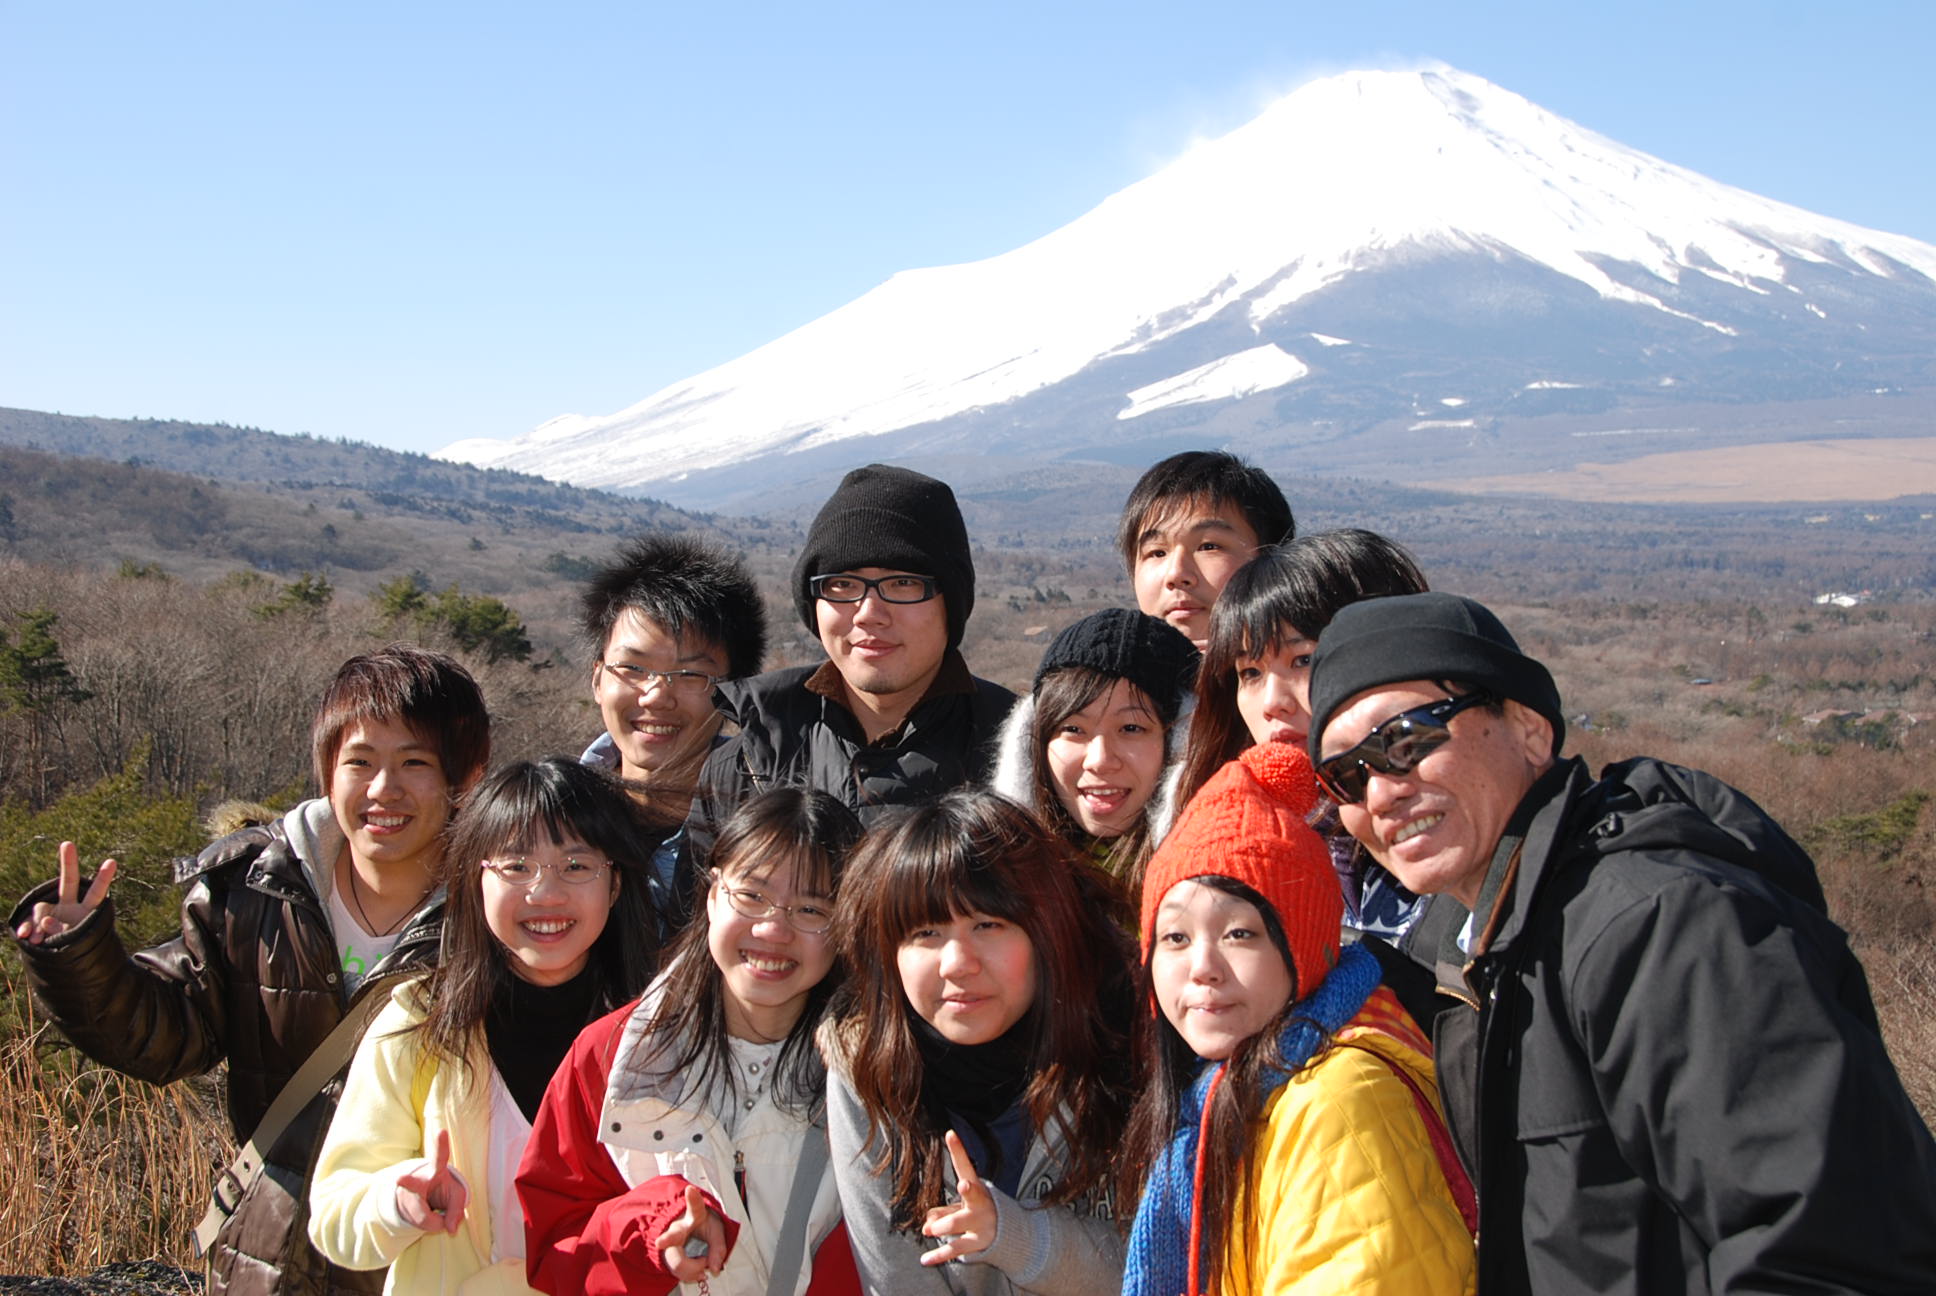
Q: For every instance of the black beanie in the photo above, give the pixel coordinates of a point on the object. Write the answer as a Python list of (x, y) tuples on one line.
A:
[(1424, 637), (881, 516), (1147, 651)]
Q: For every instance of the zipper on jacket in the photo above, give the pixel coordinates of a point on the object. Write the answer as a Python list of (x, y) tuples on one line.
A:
[(739, 1176)]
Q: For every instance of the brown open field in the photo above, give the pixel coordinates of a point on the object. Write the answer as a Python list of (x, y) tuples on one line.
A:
[(1864, 469)]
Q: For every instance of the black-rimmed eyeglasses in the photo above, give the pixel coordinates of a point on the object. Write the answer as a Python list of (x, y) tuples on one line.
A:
[(844, 588)]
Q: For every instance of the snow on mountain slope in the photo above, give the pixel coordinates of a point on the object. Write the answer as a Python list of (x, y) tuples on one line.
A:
[(1347, 173), (1258, 369)]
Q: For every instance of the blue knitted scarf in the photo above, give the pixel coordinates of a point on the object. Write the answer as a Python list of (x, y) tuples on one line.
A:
[(1159, 1240)]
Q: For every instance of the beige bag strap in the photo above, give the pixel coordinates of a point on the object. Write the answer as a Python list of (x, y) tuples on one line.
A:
[(331, 1056)]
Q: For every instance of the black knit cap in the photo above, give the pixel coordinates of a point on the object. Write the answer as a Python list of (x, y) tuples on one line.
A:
[(1424, 637), (882, 516), (1147, 651)]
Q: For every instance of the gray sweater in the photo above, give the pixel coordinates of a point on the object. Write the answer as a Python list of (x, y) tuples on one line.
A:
[(1041, 1250)]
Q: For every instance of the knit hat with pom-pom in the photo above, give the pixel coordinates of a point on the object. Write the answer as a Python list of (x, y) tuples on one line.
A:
[(1250, 823)]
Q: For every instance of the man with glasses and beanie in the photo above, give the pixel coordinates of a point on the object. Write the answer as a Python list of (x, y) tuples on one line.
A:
[(893, 717), (1660, 1059)]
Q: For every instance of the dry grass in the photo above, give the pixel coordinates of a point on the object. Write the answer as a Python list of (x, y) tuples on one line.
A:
[(96, 1167)]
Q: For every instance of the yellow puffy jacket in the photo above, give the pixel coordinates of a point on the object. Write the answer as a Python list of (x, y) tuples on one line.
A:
[(1350, 1195)]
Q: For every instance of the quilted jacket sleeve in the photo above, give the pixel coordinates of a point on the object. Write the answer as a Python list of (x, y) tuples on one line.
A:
[(1350, 1195), (158, 1015)]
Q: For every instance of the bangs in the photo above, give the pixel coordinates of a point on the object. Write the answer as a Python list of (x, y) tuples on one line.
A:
[(1258, 620), (761, 854), (804, 827), (523, 805), (964, 855), (939, 890)]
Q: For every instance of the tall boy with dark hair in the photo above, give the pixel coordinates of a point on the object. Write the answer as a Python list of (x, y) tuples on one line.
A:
[(669, 618), (280, 925), (1189, 524)]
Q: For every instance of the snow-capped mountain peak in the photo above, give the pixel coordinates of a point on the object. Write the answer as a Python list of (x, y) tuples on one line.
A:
[(1358, 172)]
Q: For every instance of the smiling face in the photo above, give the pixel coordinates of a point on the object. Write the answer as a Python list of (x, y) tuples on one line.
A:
[(388, 792), (1434, 827), (890, 652), (657, 728), (549, 929), (971, 977), (1274, 691), (1106, 759), (768, 965), (1217, 976), (1185, 556)]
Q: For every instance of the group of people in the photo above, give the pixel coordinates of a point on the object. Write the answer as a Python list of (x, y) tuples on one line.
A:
[(1267, 944)]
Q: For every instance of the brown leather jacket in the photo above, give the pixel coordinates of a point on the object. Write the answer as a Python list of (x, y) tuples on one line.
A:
[(253, 980)]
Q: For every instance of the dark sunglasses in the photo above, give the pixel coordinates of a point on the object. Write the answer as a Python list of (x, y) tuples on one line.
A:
[(1394, 747)]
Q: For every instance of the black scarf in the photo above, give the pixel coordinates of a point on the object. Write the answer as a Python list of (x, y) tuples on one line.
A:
[(529, 1029), (975, 1083)]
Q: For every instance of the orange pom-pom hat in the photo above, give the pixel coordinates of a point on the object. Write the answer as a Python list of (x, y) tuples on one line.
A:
[(1250, 823)]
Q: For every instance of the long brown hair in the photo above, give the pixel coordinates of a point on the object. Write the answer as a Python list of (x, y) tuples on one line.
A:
[(1059, 695), (508, 812), (813, 832), (1292, 589), (1170, 1066), (973, 851)]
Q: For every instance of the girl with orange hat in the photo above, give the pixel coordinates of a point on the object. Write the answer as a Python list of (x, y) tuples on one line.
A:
[(1289, 1129)]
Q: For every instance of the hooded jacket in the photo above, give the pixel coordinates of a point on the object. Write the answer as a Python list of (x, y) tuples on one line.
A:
[(254, 980), (1014, 767), (1673, 1081)]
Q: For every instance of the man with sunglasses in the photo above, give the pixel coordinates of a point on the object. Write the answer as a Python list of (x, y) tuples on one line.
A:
[(885, 581), (1666, 1075)]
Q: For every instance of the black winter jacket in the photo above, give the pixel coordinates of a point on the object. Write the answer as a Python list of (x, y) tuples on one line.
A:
[(254, 979), (1674, 1081), (789, 735)]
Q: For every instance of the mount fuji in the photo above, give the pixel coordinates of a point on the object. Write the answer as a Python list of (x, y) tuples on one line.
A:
[(1407, 275)]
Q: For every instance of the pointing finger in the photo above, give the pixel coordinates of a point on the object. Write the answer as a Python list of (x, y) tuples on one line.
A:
[(958, 1155)]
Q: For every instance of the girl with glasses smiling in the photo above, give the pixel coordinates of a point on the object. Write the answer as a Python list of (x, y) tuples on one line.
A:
[(683, 1141), (547, 926)]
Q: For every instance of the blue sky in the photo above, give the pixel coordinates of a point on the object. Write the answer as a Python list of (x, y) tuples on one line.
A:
[(410, 222)]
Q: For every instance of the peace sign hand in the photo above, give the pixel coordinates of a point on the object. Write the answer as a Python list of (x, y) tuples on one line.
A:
[(434, 1199), (694, 1245), (968, 1226), (70, 906)]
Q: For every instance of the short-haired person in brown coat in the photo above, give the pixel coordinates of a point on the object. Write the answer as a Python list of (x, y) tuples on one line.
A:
[(280, 927)]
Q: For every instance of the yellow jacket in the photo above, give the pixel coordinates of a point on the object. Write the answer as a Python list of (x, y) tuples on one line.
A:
[(1350, 1195), (394, 1103)]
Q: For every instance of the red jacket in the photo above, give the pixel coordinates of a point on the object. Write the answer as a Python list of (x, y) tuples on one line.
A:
[(588, 1229)]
